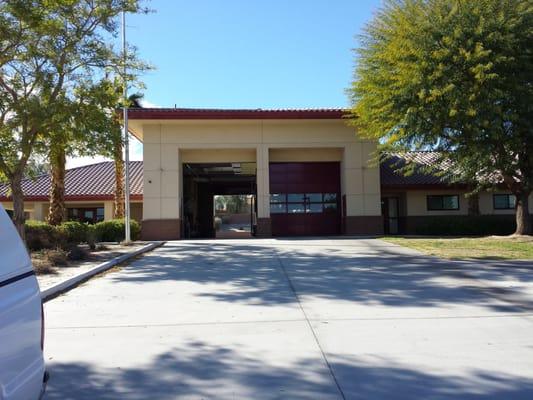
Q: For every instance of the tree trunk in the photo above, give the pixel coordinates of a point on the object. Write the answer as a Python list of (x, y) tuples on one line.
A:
[(118, 209), (18, 203), (523, 222), (56, 213)]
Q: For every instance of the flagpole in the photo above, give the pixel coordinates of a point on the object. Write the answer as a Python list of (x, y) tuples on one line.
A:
[(127, 238)]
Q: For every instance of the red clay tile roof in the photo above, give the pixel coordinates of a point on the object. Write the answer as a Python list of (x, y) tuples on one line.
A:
[(391, 176), (90, 182), (218, 113)]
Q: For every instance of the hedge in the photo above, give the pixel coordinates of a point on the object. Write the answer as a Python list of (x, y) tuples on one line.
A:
[(74, 231), (114, 230), (40, 235), (480, 225)]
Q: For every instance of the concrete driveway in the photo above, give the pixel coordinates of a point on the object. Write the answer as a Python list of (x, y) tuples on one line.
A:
[(292, 319)]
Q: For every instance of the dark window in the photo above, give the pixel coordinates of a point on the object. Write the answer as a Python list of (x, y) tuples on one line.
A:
[(86, 214), (295, 197), (296, 208), (504, 201), (300, 203), (330, 207), (11, 214), (330, 197), (443, 202), (314, 198), (278, 208), (278, 198), (314, 208)]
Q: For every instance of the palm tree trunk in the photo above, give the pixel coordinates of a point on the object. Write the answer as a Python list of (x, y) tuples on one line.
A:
[(56, 213), (118, 209), (523, 222)]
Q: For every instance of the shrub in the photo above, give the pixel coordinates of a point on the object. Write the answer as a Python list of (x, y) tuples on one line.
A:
[(41, 265), (92, 236), (56, 257), (77, 253), (40, 235), (74, 232), (113, 230)]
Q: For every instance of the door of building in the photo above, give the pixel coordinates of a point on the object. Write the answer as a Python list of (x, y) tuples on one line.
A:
[(390, 209), (305, 198)]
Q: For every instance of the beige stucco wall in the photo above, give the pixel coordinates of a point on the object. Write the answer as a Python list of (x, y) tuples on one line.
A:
[(417, 203), (39, 210), (303, 154), (486, 205), (28, 207), (167, 144)]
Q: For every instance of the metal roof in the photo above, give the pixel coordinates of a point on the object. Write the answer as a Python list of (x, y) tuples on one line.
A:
[(90, 182), (392, 176)]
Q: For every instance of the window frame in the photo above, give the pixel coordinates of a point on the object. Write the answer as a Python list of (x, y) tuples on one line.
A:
[(326, 203), (508, 195), (442, 196), (79, 215)]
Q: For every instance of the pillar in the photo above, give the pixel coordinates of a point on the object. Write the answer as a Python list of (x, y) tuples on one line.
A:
[(361, 190), (264, 227), (162, 187)]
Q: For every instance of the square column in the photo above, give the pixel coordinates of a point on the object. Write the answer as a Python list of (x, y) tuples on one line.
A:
[(361, 190), (264, 228), (162, 189)]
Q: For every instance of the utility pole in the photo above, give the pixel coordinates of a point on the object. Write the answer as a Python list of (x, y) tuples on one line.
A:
[(127, 239)]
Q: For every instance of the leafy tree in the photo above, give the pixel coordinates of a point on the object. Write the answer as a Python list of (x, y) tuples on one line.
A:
[(457, 77), (234, 203), (95, 129), (50, 51)]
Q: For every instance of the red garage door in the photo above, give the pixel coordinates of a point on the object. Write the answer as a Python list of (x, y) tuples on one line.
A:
[(305, 198)]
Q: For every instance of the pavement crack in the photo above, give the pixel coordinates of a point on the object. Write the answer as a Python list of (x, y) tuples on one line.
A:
[(300, 305)]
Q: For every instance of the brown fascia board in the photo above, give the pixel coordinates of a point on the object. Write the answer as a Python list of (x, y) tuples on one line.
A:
[(213, 114)]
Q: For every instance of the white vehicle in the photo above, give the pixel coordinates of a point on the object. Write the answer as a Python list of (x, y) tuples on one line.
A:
[(22, 370)]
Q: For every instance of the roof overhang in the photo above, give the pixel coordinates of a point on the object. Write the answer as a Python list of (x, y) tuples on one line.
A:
[(209, 114), (140, 116)]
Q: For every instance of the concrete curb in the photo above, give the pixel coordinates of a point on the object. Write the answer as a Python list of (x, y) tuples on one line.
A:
[(72, 282)]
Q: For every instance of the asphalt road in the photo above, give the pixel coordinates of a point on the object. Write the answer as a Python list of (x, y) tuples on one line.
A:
[(294, 319)]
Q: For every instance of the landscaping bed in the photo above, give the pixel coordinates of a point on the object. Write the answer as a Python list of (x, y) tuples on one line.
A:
[(53, 266), (490, 247), (59, 252)]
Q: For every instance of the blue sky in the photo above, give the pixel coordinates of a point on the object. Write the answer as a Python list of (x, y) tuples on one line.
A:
[(248, 54)]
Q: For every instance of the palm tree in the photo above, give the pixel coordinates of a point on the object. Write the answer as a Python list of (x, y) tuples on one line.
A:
[(57, 159), (96, 132), (118, 207)]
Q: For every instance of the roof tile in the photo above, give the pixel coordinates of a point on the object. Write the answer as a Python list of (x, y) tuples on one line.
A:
[(95, 180)]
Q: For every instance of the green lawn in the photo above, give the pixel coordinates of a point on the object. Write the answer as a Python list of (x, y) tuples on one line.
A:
[(507, 247)]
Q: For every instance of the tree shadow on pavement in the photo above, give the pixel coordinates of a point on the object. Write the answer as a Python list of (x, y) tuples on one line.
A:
[(201, 371), (257, 272)]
